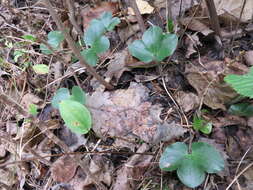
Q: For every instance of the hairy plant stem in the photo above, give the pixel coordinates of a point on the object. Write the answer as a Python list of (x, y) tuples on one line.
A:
[(72, 45)]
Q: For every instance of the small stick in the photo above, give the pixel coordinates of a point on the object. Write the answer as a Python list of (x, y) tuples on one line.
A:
[(74, 48), (138, 15), (213, 17), (72, 19)]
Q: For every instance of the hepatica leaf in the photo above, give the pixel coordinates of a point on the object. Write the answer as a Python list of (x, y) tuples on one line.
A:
[(191, 168), (108, 21), (90, 56), (55, 38), (243, 84), (94, 32), (172, 156), (241, 109), (154, 46), (94, 37), (76, 116), (61, 94), (190, 173)]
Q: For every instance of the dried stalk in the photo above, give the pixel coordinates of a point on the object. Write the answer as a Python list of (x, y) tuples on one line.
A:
[(213, 17), (137, 13), (72, 45)]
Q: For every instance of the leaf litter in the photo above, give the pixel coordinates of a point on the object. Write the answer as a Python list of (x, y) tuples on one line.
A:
[(128, 117)]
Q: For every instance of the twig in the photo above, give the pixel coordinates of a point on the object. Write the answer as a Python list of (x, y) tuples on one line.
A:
[(9, 101), (236, 177), (72, 19), (137, 13), (237, 26), (213, 17), (72, 45)]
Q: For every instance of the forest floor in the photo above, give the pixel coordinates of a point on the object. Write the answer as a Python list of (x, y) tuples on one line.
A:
[(138, 108)]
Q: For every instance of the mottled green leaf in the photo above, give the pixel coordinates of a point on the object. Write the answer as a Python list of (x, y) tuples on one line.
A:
[(41, 69), (76, 116)]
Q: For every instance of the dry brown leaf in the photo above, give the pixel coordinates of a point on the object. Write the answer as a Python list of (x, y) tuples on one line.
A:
[(231, 9), (72, 140), (99, 167), (191, 42), (228, 120), (196, 25), (117, 65), (133, 170), (144, 7), (127, 114), (29, 98), (209, 82), (93, 13), (63, 169), (188, 101), (177, 6), (249, 57)]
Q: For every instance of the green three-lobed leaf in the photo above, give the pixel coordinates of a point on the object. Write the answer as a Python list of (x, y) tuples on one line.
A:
[(95, 39), (154, 46), (54, 40), (191, 168)]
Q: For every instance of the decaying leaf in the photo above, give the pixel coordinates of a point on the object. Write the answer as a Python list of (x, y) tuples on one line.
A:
[(195, 25), (188, 101), (28, 99), (249, 58), (117, 65), (63, 169), (99, 167), (231, 9), (72, 140), (191, 42), (144, 7), (177, 7), (133, 170), (129, 115), (209, 82)]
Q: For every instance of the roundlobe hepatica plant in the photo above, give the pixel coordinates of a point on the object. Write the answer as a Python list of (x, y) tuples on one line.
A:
[(191, 167), (154, 45), (72, 109)]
